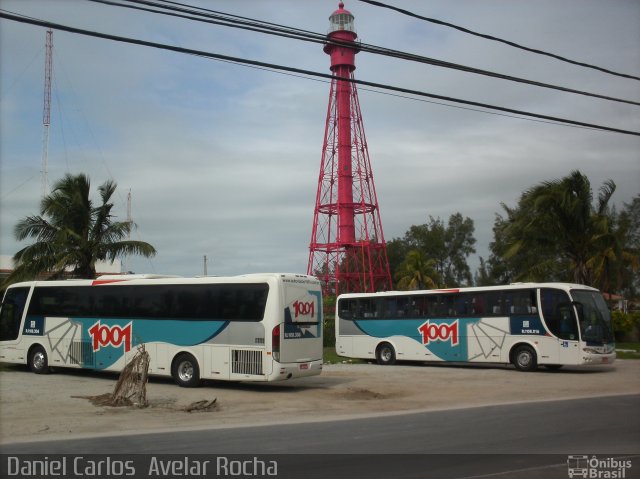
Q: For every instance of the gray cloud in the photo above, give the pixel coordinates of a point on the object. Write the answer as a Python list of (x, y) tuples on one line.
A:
[(223, 160)]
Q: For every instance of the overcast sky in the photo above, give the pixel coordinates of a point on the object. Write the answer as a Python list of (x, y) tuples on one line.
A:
[(222, 160)]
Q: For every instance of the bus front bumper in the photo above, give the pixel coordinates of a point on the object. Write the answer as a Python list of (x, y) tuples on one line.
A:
[(589, 357)]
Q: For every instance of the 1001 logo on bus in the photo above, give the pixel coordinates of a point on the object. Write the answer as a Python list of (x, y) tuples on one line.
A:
[(103, 335), (302, 308), (439, 332)]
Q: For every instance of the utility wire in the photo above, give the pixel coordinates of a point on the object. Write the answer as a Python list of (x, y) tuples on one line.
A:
[(217, 56), (235, 21), (496, 39)]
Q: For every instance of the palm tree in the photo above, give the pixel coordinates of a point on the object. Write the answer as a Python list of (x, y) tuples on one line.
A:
[(558, 222), (416, 272), (72, 234)]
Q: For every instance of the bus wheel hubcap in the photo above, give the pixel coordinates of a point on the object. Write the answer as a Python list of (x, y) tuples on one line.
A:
[(38, 360), (185, 371)]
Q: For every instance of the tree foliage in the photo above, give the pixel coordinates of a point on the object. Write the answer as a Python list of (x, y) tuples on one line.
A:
[(557, 232), (416, 272), (434, 253), (71, 233), (560, 230)]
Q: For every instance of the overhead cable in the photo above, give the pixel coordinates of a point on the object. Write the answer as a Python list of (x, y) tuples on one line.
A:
[(235, 21), (501, 40), (217, 56)]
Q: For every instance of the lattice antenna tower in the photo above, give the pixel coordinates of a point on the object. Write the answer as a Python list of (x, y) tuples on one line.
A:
[(129, 216), (123, 263), (46, 113), (347, 250)]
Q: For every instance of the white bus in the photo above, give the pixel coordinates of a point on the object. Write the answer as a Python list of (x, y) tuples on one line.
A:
[(258, 327), (525, 324)]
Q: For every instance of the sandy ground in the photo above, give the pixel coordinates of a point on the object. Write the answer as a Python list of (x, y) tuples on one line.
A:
[(37, 407)]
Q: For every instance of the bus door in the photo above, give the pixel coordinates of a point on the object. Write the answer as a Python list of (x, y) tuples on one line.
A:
[(300, 338), (560, 318)]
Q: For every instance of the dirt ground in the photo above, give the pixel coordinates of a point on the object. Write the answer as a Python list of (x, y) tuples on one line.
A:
[(37, 407)]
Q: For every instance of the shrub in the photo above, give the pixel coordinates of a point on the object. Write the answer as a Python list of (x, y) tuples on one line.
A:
[(626, 325), (329, 333)]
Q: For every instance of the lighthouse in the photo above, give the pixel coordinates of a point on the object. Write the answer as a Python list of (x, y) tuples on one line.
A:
[(347, 251)]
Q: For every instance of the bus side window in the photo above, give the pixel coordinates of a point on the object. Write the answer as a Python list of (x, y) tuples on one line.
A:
[(365, 309), (403, 305), (419, 306), (389, 311), (478, 303), (431, 305), (11, 313), (523, 302), (346, 307), (494, 303)]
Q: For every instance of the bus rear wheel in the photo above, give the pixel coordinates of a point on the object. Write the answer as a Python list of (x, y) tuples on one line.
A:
[(38, 360), (524, 359), (385, 354), (185, 371)]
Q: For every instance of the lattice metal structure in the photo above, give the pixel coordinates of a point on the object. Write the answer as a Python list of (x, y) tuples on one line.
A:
[(46, 111), (347, 250)]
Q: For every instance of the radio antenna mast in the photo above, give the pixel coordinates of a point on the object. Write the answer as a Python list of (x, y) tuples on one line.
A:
[(46, 114)]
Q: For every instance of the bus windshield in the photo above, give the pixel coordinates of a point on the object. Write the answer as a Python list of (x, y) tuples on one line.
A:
[(594, 317)]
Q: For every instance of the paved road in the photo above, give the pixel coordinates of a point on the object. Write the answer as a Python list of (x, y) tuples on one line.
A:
[(532, 439)]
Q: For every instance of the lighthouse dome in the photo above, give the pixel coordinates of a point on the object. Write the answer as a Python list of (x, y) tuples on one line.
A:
[(341, 19)]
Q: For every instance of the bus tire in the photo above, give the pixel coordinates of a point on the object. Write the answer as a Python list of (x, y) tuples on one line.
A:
[(185, 371), (524, 359), (38, 360), (385, 354)]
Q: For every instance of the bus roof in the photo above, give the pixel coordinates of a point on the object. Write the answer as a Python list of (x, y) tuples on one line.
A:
[(139, 279), (472, 289)]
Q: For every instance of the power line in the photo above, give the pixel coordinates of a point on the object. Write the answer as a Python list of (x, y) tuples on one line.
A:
[(217, 56), (496, 39), (236, 21)]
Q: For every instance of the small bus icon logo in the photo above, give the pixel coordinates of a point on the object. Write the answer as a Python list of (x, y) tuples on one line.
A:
[(578, 466)]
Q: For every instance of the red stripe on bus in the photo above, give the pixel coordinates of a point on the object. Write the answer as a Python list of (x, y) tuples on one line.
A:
[(106, 281)]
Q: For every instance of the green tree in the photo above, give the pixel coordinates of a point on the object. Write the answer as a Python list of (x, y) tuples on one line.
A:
[(416, 272), (397, 250), (448, 246), (537, 262), (71, 234), (628, 233), (558, 232)]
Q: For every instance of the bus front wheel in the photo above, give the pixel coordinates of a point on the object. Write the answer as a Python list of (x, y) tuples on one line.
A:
[(385, 354), (185, 371), (38, 360), (524, 359)]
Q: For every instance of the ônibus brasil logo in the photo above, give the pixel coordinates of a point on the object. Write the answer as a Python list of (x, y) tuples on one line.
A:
[(103, 335), (439, 332)]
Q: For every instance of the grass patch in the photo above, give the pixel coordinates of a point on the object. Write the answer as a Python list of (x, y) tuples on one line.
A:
[(628, 350), (331, 357)]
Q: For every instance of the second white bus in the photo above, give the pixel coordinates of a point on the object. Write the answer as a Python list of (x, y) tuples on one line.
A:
[(259, 327), (549, 324)]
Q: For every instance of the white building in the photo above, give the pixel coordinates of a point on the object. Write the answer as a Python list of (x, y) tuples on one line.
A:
[(102, 267)]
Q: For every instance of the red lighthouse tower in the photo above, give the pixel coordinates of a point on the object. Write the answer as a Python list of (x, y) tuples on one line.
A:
[(347, 250)]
